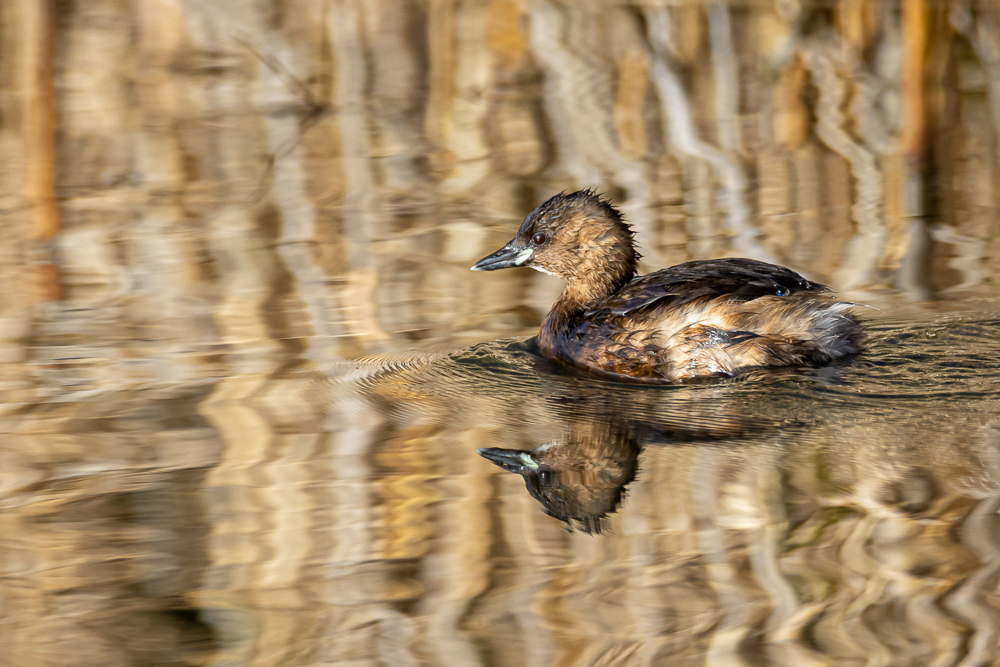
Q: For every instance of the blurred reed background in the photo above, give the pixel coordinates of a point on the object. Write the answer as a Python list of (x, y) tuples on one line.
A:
[(350, 160), (205, 201)]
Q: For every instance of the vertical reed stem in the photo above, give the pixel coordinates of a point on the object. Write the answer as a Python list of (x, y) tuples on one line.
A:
[(40, 17), (912, 256), (914, 121)]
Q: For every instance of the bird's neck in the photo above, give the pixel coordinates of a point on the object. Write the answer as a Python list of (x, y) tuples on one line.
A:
[(584, 292)]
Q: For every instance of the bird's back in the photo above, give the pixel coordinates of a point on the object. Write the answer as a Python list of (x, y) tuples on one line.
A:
[(713, 317)]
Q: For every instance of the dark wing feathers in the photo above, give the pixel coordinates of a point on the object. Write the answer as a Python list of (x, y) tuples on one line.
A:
[(740, 279)]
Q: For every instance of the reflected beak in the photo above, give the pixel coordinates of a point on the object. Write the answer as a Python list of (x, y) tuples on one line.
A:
[(511, 460), (505, 258)]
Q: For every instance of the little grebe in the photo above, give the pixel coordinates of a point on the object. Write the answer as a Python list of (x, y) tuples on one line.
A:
[(704, 318)]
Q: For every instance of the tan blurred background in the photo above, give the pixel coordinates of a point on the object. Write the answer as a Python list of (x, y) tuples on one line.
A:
[(206, 203), (171, 165)]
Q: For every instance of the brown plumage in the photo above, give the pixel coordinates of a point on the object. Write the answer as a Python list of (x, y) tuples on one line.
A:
[(713, 317)]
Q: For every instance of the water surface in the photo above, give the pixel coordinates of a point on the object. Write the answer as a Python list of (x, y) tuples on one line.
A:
[(792, 516), (245, 371)]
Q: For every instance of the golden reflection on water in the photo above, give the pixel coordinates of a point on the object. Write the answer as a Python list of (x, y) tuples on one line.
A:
[(246, 431), (302, 516)]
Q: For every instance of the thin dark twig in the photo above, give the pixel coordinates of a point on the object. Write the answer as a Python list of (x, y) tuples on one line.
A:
[(315, 111), (279, 68)]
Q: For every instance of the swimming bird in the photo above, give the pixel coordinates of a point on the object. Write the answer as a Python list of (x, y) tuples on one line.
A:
[(716, 317)]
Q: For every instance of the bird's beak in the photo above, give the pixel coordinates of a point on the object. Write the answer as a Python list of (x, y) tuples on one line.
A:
[(511, 460), (504, 258)]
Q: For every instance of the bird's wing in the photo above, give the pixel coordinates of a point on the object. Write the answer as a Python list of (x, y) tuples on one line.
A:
[(740, 279)]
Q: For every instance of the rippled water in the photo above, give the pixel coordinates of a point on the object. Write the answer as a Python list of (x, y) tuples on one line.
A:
[(340, 514), (246, 375)]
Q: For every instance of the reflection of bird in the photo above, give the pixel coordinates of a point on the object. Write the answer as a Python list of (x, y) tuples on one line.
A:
[(714, 317), (594, 430), (579, 480)]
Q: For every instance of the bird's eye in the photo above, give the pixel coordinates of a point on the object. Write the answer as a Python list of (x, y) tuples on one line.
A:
[(539, 238), (545, 477)]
